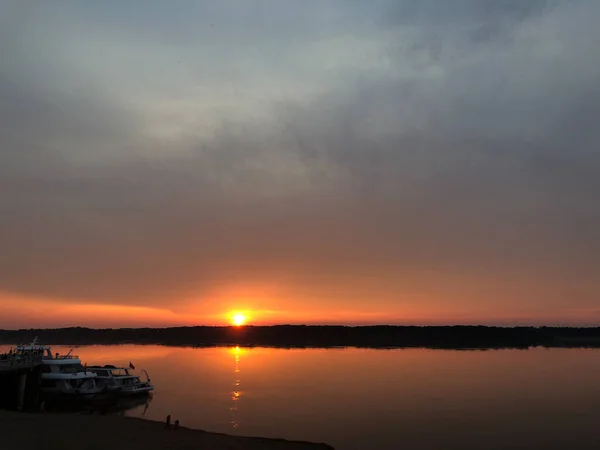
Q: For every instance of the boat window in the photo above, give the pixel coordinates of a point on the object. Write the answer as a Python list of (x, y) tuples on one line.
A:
[(82, 383), (71, 368), (76, 383)]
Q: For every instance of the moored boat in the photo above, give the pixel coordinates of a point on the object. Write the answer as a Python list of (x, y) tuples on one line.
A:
[(63, 376), (121, 380)]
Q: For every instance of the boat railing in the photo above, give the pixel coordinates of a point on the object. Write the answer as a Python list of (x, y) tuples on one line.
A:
[(147, 376), (66, 357), (15, 361)]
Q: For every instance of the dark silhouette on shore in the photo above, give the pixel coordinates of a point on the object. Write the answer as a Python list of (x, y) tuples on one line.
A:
[(460, 337)]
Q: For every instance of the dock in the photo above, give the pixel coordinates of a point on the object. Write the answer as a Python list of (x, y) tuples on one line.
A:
[(20, 377)]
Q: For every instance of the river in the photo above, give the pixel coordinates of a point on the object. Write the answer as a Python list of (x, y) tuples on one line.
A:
[(373, 399)]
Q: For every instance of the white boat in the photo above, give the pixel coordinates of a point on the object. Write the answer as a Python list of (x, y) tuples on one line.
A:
[(63, 375), (121, 380)]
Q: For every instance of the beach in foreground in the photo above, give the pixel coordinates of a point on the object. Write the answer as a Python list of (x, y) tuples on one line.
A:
[(46, 431)]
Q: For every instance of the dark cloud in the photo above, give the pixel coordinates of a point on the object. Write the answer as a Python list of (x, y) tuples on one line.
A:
[(460, 12)]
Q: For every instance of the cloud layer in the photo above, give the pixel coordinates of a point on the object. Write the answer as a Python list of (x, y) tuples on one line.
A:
[(410, 158)]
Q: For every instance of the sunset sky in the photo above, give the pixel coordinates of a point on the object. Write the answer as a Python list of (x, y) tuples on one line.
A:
[(316, 161)]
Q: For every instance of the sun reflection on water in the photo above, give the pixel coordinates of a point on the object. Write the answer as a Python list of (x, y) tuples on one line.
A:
[(236, 393)]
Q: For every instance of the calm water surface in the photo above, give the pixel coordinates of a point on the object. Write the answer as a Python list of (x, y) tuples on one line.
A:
[(374, 399)]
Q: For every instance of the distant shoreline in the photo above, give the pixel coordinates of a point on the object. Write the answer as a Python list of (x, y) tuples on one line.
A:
[(320, 336)]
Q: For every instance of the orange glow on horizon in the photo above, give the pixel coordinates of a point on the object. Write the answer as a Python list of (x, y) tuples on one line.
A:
[(18, 311)]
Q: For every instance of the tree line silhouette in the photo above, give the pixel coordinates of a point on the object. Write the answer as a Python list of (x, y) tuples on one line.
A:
[(382, 336)]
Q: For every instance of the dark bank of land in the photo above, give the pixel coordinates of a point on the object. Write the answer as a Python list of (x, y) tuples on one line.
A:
[(384, 336), (20, 431)]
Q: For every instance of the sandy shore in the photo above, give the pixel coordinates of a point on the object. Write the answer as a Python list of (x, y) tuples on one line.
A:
[(46, 431)]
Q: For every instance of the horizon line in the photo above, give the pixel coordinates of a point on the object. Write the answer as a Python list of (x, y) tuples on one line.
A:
[(301, 325)]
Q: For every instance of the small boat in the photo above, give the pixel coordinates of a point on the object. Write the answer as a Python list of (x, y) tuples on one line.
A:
[(120, 380), (63, 375)]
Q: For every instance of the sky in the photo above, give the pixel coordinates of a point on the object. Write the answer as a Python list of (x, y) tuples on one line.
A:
[(324, 161)]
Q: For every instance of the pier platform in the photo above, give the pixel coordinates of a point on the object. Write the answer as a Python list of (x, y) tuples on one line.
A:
[(20, 377), (10, 362)]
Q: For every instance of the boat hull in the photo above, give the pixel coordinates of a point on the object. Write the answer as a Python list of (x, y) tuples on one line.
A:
[(78, 402), (141, 390)]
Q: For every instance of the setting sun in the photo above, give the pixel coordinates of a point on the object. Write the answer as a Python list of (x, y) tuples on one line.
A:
[(238, 319)]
